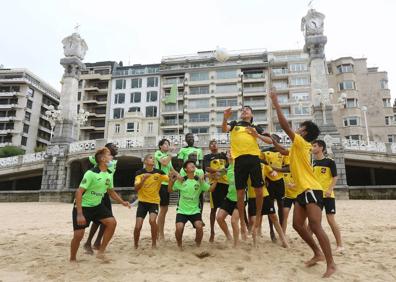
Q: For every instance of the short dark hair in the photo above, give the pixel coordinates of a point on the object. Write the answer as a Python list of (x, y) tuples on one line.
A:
[(111, 146), (312, 130), (321, 144), (187, 162), (100, 152), (249, 107), (162, 142), (212, 141)]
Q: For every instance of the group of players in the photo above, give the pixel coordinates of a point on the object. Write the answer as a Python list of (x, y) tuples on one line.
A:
[(242, 175)]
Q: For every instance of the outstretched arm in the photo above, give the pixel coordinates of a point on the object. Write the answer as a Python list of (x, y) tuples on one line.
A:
[(280, 148), (227, 114), (281, 117)]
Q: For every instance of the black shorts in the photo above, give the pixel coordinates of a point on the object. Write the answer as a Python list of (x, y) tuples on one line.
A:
[(310, 196), (329, 205), (91, 214), (164, 195), (268, 206), (218, 195), (228, 205), (106, 201), (144, 208), (245, 166), (276, 189), (188, 217), (287, 202)]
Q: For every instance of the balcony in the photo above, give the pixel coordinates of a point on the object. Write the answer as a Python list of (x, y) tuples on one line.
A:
[(10, 106), (91, 88), (279, 73), (11, 94), (254, 77), (8, 131), (94, 101), (8, 118), (168, 82), (44, 129)]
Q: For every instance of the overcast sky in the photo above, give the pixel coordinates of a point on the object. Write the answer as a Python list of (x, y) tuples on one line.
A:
[(143, 31)]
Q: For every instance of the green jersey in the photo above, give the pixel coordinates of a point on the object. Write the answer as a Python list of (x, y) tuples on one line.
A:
[(232, 194), (189, 190), (166, 169), (112, 168), (95, 183), (198, 172), (185, 152)]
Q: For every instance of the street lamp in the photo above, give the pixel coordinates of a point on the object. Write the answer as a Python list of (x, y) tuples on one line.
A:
[(364, 110), (82, 118), (54, 115)]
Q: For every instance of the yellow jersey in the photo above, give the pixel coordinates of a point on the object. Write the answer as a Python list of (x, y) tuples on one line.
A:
[(243, 143), (300, 165), (149, 193), (274, 159), (324, 170)]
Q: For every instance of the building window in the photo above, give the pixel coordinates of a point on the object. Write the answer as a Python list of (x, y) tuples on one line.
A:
[(24, 141), (226, 88), (351, 103), (392, 138), (345, 68), (234, 116), (136, 97), (150, 127), (152, 81), (226, 74), (227, 102), (117, 128), (254, 87), (132, 128), (199, 103), (298, 81), (199, 117), (29, 104), (346, 85), (151, 111), (118, 113), (199, 130), (151, 96), (30, 92), (384, 84), (301, 96), (199, 90), (354, 137), (27, 116), (136, 83), (280, 84), (387, 102), (389, 120), (79, 96), (134, 109), (120, 84), (119, 98), (253, 74), (298, 67), (351, 121), (25, 128), (197, 76)]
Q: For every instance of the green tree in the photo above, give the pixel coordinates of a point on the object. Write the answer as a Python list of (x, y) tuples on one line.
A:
[(10, 151)]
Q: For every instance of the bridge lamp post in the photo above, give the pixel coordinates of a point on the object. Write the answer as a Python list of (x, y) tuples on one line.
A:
[(82, 118), (54, 116)]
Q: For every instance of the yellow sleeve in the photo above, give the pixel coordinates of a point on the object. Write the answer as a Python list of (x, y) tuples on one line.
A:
[(138, 179), (164, 178)]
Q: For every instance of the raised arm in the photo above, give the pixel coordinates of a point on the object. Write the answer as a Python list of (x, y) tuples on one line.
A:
[(227, 114), (281, 117), (280, 148)]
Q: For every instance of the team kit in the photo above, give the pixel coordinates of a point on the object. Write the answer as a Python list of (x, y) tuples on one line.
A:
[(243, 183)]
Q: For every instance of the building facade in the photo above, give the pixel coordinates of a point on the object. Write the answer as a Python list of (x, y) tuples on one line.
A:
[(24, 99), (134, 103), (94, 97), (366, 111)]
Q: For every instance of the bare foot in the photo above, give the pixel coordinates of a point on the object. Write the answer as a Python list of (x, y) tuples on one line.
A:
[(211, 238), (102, 257), (88, 249), (314, 260), (285, 245), (340, 250), (330, 270)]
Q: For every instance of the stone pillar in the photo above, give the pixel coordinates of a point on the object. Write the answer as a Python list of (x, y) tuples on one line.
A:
[(54, 172), (313, 25)]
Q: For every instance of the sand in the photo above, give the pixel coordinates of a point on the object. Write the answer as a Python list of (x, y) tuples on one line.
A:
[(35, 240)]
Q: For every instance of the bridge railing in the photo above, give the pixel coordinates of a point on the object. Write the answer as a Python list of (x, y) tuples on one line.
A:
[(371, 146), (22, 159)]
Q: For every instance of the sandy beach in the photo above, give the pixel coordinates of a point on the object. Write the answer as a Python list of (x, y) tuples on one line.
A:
[(35, 240)]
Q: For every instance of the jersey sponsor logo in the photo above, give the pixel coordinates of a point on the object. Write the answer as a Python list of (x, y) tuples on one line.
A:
[(97, 194), (156, 178), (107, 181), (323, 170)]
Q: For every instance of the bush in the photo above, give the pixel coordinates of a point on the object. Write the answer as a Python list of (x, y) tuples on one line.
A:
[(10, 151), (40, 149)]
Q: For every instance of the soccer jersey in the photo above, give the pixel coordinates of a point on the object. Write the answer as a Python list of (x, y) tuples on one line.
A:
[(149, 193), (197, 172), (300, 165), (189, 191), (232, 194), (243, 143), (290, 186), (324, 170), (165, 168), (274, 159), (217, 161), (95, 183), (185, 152)]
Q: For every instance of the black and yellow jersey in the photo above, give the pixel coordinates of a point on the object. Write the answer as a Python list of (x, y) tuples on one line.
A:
[(243, 143), (149, 193), (217, 161), (274, 159), (324, 170)]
